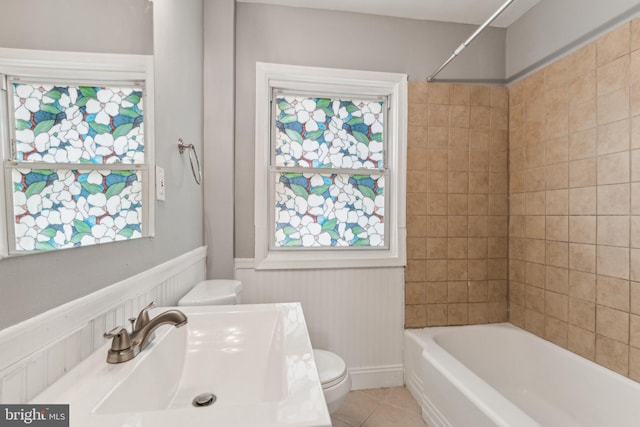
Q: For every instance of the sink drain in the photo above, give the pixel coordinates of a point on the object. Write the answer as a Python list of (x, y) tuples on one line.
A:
[(204, 399)]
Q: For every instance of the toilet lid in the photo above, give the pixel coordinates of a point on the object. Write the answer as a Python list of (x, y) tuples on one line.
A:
[(331, 367)]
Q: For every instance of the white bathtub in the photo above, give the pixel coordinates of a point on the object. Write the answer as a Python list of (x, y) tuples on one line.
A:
[(501, 375)]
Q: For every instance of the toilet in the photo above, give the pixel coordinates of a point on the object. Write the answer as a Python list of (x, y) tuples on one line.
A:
[(335, 379)]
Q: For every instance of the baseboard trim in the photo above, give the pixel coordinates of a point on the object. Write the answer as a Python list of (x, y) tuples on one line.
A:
[(377, 377)]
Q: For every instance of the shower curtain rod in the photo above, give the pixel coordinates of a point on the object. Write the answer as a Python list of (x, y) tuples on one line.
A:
[(470, 39)]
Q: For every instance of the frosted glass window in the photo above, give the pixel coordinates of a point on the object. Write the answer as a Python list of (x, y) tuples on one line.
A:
[(315, 207), (78, 163)]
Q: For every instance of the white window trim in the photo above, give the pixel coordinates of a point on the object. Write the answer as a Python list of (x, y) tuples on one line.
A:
[(292, 77), (70, 66)]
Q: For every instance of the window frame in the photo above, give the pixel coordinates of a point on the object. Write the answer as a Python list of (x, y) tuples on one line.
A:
[(338, 82), (84, 68)]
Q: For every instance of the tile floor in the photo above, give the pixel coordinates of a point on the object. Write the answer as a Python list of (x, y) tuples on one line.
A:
[(380, 407)]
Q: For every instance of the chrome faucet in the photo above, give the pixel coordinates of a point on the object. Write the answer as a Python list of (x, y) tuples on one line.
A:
[(125, 346)]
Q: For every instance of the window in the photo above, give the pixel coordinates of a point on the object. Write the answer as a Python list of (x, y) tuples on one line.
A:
[(330, 162), (77, 150)]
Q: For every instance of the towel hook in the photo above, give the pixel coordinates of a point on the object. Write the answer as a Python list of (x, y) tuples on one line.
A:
[(192, 153)]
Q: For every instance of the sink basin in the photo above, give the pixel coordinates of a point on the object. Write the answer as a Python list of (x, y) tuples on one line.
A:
[(255, 358)]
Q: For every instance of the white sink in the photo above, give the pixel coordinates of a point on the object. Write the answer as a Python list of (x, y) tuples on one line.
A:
[(255, 358)]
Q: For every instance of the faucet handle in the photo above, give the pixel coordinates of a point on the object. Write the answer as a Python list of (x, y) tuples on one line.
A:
[(143, 317), (121, 339)]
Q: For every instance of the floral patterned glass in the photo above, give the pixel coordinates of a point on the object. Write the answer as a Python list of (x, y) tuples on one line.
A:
[(78, 124), (329, 210), (63, 208), (329, 133)]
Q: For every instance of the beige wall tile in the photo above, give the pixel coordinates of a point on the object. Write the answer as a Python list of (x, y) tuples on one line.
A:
[(582, 87), (457, 270), (459, 94), (478, 313), (436, 248), (557, 228), (535, 179), (437, 204), (436, 292), (613, 45), (534, 274), (478, 204), (635, 34), (634, 364), (417, 92), (612, 292), (613, 106), (635, 165), (416, 225), (534, 299), (635, 132), (634, 331), (414, 293), (517, 226), (480, 117), (557, 254), (557, 279), (613, 137), (557, 150), (416, 248), (583, 115), (582, 173), (557, 202), (436, 226), (497, 269), (479, 139), (582, 229), (457, 248), (635, 232), (534, 322), (481, 96), (416, 203), (613, 168), (497, 290), (437, 270), (613, 199), (535, 203), (582, 342), (457, 291), (478, 290), (436, 182), (417, 136), (457, 226), (613, 230), (436, 314), (583, 59), (415, 271), (417, 115), (458, 204), (458, 182), (583, 145), (635, 198), (556, 331), (535, 226), (635, 298), (458, 138), (613, 261), (457, 314), (478, 269), (498, 204), (535, 250), (437, 137), (582, 314), (634, 269), (415, 316), (459, 116), (613, 75), (437, 159), (438, 115), (612, 324), (557, 176), (438, 93), (582, 201), (478, 226), (458, 160), (498, 183), (498, 247), (556, 305), (499, 140), (582, 257), (582, 285), (478, 247)]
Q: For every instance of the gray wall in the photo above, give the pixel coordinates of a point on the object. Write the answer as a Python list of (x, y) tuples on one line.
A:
[(32, 284), (301, 36), (552, 28), (122, 26), (219, 61)]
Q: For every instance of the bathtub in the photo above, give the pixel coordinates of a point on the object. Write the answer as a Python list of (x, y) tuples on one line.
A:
[(501, 375)]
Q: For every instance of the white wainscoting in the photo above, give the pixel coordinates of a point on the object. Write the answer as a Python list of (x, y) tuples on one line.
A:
[(36, 352), (356, 313)]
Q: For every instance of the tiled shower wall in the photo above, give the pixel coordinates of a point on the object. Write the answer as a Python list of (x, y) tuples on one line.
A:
[(457, 205), (574, 248)]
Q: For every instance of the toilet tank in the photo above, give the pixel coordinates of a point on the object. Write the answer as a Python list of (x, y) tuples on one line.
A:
[(214, 292)]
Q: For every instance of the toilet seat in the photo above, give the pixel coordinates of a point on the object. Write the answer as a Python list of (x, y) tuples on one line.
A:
[(331, 368)]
